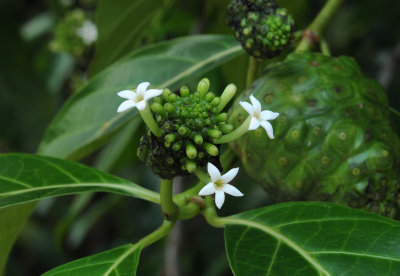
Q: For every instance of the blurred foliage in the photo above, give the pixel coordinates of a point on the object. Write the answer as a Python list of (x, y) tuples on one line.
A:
[(34, 82)]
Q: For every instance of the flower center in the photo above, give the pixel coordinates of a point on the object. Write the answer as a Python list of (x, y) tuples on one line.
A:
[(139, 97), (219, 184)]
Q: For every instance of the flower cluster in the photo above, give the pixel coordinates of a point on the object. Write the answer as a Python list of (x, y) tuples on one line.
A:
[(185, 130)]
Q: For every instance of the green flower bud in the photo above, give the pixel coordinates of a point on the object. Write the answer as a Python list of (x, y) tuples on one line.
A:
[(191, 151), (170, 138), (170, 108), (222, 117), (210, 149), (198, 139), (203, 86), (159, 109), (210, 96), (214, 133), (177, 146), (216, 101), (190, 166), (182, 130), (226, 128), (184, 91)]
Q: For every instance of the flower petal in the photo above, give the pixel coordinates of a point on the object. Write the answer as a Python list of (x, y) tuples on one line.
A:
[(142, 87), (152, 93), (127, 94), (268, 115), (213, 172), (226, 178), (232, 190), (256, 104), (126, 105), (248, 107), (141, 105), (268, 128), (209, 189), (219, 198), (254, 124)]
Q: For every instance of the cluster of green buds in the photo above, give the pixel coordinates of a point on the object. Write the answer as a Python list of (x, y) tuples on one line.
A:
[(190, 122), (261, 26), (185, 129), (74, 33)]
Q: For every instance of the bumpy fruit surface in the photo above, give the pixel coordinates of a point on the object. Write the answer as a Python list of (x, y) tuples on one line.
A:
[(189, 122), (263, 29), (333, 140)]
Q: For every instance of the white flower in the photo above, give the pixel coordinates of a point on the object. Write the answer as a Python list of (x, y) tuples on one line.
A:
[(139, 98), (259, 117), (220, 185), (88, 32)]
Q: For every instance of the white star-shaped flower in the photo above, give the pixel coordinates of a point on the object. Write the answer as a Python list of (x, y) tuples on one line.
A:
[(220, 185), (259, 117), (139, 98), (88, 32)]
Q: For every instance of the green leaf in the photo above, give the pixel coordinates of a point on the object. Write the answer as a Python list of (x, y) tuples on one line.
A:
[(120, 27), (312, 238), (118, 261), (25, 178), (89, 117), (12, 219)]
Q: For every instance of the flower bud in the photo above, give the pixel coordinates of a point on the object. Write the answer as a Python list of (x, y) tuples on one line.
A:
[(203, 86), (198, 139), (184, 91), (159, 109), (210, 96), (210, 149), (226, 128), (170, 137), (190, 166), (191, 151), (226, 96), (170, 108), (216, 101), (222, 117), (177, 146), (214, 133)]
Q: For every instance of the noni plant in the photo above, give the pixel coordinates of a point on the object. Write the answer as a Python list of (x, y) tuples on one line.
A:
[(220, 116)]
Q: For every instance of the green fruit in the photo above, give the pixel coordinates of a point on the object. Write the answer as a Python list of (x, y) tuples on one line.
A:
[(333, 140), (263, 29)]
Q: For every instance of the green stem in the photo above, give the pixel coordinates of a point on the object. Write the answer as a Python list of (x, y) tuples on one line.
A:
[(149, 121), (202, 175), (318, 25), (252, 70), (168, 207), (210, 214), (242, 129), (227, 158), (325, 47), (158, 234)]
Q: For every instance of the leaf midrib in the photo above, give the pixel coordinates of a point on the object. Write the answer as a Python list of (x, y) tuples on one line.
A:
[(135, 191), (281, 238)]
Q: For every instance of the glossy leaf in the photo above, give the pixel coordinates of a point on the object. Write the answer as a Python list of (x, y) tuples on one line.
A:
[(312, 238), (118, 261), (89, 117), (25, 178), (120, 27), (12, 219)]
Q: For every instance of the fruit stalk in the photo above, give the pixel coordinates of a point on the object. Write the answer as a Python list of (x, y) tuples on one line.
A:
[(168, 206), (316, 28)]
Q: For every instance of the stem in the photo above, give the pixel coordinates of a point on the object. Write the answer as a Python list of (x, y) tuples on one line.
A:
[(159, 233), (325, 47), (252, 70), (210, 214), (227, 158), (168, 207), (149, 121), (242, 129), (201, 175), (318, 25)]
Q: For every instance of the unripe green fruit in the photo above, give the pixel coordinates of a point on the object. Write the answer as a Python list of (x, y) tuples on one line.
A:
[(333, 140), (263, 29)]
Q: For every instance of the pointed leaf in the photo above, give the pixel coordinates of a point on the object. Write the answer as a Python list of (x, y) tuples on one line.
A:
[(312, 238), (89, 117), (122, 260), (25, 178), (120, 28)]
